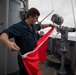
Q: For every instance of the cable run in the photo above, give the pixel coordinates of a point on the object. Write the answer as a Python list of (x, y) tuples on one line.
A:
[(60, 7)]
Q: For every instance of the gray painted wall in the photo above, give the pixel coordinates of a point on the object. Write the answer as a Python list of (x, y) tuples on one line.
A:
[(9, 14), (13, 17)]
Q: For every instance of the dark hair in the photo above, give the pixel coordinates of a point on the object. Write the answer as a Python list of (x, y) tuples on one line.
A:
[(32, 12)]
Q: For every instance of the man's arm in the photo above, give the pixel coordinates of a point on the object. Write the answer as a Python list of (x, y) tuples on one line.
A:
[(46, 25), (11, 45)]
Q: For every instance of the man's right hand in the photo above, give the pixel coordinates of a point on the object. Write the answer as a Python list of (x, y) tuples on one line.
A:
[(12, 46)]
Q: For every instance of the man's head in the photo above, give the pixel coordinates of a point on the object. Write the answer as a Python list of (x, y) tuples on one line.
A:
[(32, 15), (32, 12)]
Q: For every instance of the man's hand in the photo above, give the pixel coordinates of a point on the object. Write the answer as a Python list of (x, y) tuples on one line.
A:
[(51, 25), (12, 46)]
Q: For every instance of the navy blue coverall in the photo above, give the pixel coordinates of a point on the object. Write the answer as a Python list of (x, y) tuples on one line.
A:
[(25, 38)]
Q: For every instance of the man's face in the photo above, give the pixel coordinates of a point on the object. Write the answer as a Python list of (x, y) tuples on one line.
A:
[(33, 20)]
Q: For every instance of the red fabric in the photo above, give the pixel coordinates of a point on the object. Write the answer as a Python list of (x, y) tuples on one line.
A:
[(31, 59), (31, 63), (43, 47)]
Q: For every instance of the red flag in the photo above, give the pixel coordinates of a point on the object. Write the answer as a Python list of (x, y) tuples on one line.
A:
[(31, 59), (43, 41)]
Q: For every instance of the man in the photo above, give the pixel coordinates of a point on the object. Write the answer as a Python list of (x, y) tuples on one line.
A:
[(25, 34)]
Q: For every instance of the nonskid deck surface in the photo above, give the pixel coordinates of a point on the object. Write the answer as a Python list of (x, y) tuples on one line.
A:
[(51, 68), (45, 70)]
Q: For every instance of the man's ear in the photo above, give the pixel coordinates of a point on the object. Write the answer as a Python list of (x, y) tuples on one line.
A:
[(30, 17)]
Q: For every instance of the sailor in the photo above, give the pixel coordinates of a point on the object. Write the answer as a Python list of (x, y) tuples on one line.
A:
[(25, 34)]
